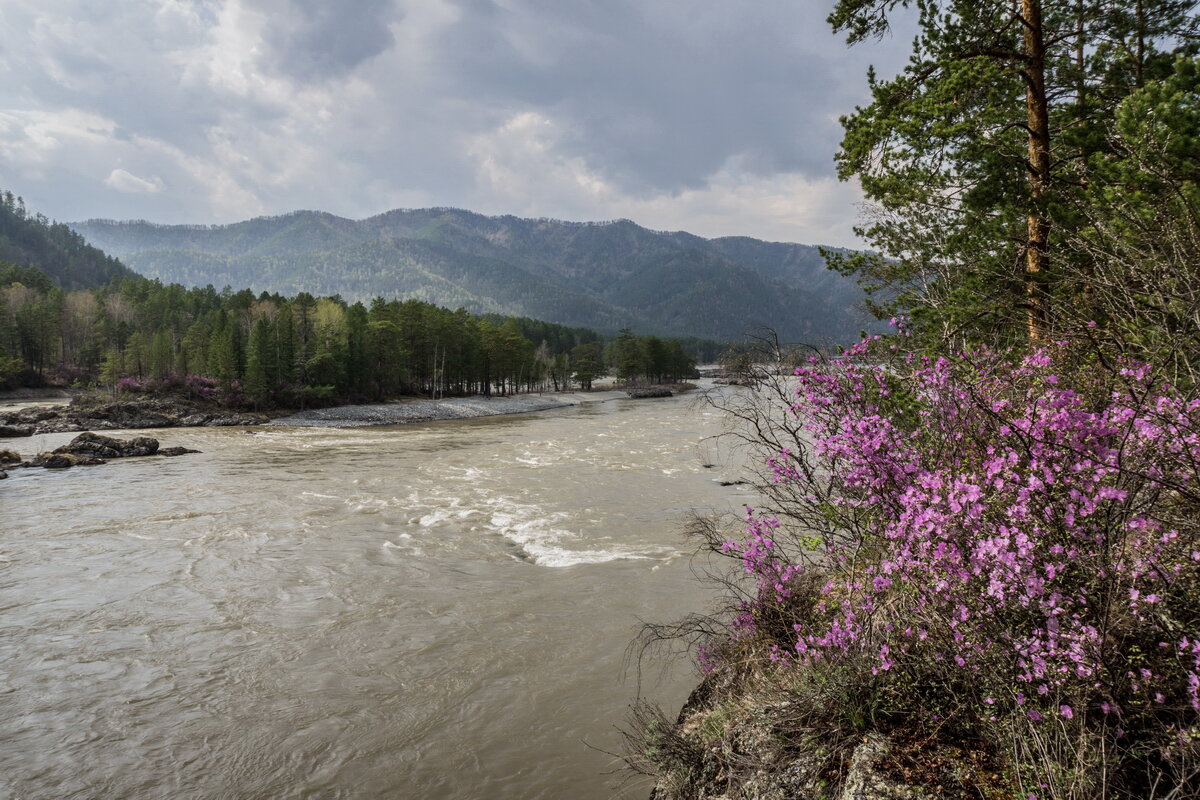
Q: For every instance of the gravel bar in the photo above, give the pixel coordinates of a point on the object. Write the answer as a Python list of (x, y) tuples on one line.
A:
[(406, 411)]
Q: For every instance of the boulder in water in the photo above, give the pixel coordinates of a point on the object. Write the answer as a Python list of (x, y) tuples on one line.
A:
[(10, 457), (13, 431), (93, 444), (58, 460), (175, 451)]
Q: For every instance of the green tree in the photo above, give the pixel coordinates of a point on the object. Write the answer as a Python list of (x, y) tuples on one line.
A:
[(975, 154), (628, 357), (112, 368), (285, 344), (260, 363), (160, 355), (587, 362), (222, 352)]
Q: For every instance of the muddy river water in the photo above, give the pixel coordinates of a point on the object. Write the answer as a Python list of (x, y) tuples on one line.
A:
[(422, 611)]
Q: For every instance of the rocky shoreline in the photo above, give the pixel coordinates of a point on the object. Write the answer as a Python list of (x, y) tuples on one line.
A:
[(90, 415)]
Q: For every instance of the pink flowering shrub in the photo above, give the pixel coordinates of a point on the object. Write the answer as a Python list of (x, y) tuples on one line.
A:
[(200, 387), (1017, 541), (131, 386)]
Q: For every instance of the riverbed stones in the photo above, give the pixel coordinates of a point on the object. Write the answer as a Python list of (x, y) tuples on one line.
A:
[(230, 420), (14, 431), (9, 457)]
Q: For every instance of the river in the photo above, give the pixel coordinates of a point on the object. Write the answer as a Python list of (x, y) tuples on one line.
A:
[(422, 611)]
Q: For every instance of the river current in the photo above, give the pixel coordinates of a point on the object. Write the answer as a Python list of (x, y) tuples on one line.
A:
[(421, 611)]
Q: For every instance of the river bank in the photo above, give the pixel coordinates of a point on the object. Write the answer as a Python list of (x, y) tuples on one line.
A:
[(430, 410), (21, 417)]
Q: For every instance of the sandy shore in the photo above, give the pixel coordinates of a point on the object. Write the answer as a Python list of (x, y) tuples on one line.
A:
[(420, 410)]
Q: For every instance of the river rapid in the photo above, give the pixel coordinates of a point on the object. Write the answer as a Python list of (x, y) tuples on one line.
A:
[(422, 611)]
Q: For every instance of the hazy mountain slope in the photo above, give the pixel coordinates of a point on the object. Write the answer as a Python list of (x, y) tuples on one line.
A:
[(31, 240), (599, 275)]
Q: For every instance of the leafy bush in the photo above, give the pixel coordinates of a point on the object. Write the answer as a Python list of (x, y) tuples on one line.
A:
[(1010, 546)]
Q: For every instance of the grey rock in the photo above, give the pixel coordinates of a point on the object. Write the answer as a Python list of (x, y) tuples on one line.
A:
[(236, 419), (74, 425), (66, 460), (13, 431), (93, 444), (175, 451), (865, 780)]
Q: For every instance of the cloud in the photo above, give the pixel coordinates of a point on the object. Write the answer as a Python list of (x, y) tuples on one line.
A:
[(702, 116), (124, 181), (315, 39), (521, 162)]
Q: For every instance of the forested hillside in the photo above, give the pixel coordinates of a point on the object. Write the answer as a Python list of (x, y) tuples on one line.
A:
[(242, 349), (264, 349), (604, 276), (31, 240)]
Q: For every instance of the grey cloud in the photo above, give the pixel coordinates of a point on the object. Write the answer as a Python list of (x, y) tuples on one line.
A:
[(317, 39), (654, 103), (355, 105)]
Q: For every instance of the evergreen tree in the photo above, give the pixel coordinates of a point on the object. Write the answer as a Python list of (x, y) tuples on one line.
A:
[(628, 357), (977, 152), (587, 362), (285, 346), (260, 363), (160, 355), (222, 352)]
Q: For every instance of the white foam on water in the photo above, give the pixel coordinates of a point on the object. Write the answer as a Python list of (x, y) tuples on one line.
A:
[(361, 504), (540, 535)]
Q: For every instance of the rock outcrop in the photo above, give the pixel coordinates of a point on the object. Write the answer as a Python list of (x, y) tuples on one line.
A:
[(91, 449), (54, 460), (93, 444), (734, 741)]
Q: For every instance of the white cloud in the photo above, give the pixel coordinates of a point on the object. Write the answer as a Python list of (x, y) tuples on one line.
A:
[(521, 169), (124, 181)]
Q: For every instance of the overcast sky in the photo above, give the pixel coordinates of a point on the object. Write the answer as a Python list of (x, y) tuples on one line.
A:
[(713, 116)]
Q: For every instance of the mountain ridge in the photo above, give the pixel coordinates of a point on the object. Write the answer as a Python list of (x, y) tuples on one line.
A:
[(601, 275)]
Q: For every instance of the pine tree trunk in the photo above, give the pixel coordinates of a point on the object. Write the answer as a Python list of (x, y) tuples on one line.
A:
[(1038, 121)]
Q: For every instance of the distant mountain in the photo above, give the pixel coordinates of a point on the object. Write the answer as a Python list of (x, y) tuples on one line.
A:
[(32, 240), (598, 275)]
